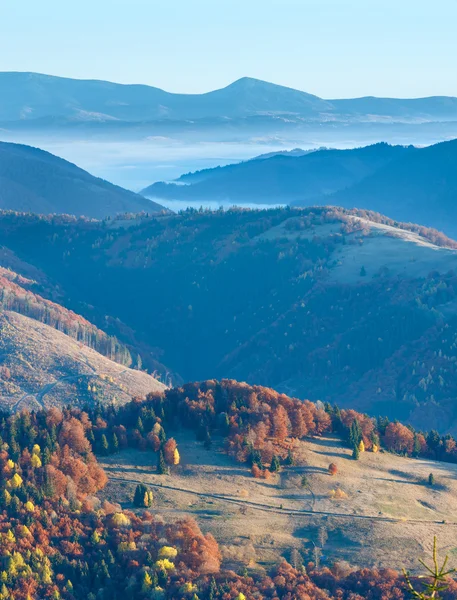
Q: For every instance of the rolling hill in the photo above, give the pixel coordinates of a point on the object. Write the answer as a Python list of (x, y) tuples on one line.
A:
[(333, 304), (282, 178), (272, 504), (34, 96), (32, 180)]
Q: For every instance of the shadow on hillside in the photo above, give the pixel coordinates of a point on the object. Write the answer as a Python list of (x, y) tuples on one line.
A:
[(335, 454), (125, 469), (398, 481), (330, 442), (403, 474), (310, 469)]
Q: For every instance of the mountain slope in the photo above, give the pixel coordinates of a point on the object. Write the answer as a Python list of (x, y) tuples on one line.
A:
[(285, 179), (32, 180), (326, 303), (419, 187), (33, 96), (42, 367)]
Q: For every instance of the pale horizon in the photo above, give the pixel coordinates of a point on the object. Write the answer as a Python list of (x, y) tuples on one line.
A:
[(321, 47)]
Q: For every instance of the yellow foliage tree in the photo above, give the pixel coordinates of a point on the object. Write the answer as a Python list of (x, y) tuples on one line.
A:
[(164, 565), (361, 446), (10, 536), (25, 531), (188, 588), (176, 457), (168, 552), (121, 520), (15, 482), (35, 461), (126, 546), (147, 582), (375, 448), (36, 450), (29, 506)]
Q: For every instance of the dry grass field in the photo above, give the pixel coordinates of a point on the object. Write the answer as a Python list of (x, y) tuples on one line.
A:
[(387, 515)]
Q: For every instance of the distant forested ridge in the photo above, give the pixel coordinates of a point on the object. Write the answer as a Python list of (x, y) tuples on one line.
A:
[(32, 180)]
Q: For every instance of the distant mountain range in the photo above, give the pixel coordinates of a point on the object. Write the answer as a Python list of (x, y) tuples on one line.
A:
[(32, 180), (34, 97), (405, 183)]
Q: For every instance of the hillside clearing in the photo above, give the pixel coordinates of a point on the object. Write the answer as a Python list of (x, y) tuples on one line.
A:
[(388, 518), (40, 367)]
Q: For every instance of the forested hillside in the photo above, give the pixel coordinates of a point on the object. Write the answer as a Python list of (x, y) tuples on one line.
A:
[(283, 178), (325, 303), (32, 180)]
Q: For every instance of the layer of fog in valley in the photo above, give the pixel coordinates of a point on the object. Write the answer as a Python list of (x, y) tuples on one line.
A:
[(136, 164)]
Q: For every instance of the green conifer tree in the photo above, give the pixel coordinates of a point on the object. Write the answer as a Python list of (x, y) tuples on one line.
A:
[(275, 464), (162, 468)]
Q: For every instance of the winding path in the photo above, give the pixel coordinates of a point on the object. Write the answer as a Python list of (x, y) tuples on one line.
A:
[(282, 511)]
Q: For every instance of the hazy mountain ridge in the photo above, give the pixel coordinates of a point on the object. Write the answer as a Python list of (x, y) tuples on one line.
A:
[(283, 178), (32, 180), (31, 96)]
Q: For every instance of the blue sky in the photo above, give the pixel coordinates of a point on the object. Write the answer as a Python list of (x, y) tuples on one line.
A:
[(332, 48)]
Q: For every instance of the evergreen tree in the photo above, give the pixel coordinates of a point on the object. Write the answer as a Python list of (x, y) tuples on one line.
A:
[(290, 460), (142, 497), (213, 591), (416, 445), (356, 453), (207, 442), (104, 445), (275, 464), (162, 468)]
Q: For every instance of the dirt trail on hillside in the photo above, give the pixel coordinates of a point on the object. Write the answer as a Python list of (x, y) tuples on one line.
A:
[(277, 509)]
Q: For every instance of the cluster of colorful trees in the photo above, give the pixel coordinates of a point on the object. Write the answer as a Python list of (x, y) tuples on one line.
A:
[(59, 540), (259, 424)]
